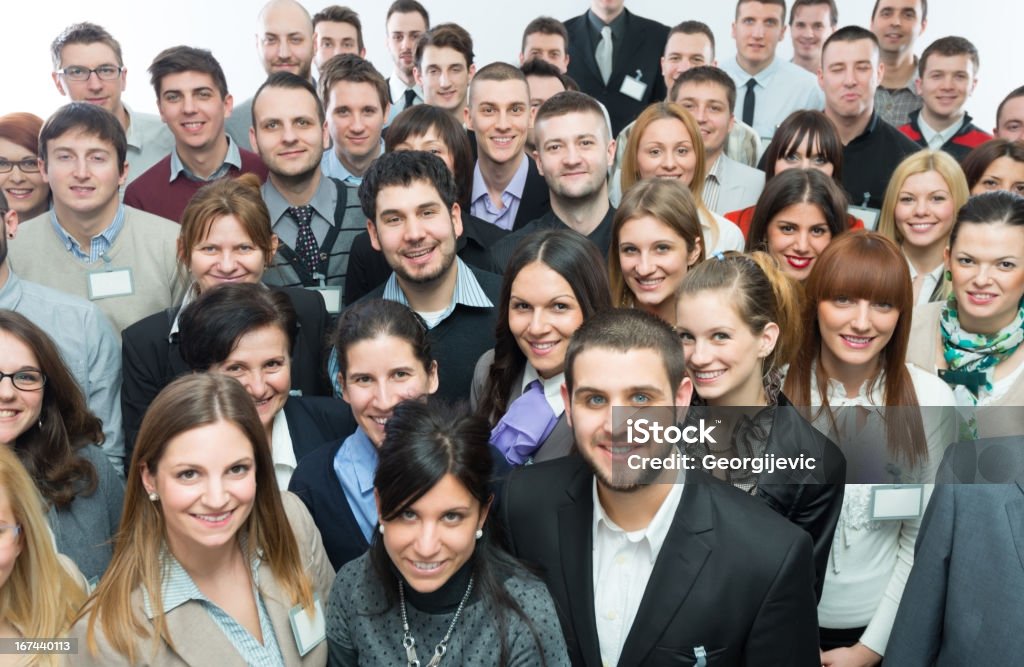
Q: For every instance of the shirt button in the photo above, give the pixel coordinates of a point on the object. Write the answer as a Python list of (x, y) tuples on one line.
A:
[(621, 560), (611, 616)]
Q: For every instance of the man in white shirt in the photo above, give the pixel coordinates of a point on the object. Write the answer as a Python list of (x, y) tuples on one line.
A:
[(444, 67), (406, 21)]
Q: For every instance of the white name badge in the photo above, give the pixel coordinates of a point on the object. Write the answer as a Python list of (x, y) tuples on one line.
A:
[(108, 283), (308, 631), (633, 87), (890, 502), (868, 215), (332, 297)]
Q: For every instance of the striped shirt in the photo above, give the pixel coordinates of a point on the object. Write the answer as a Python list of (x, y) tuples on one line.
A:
[(100, 243), (712, 184)]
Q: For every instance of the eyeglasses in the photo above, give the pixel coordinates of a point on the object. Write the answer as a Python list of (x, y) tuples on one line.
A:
[(9, 532), (103, 72), (29, 165), (25, 380)]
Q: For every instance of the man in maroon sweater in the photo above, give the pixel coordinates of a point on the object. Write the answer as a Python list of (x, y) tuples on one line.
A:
[(192, 96)]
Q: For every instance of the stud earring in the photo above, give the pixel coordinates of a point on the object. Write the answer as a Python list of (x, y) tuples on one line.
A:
[(154, 496), (479, 533), (381, 528)]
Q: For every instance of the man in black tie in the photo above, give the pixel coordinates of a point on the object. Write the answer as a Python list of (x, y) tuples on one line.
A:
[(406, 21)]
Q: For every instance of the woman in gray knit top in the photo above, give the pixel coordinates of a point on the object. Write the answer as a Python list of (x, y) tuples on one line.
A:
[(434, 589)]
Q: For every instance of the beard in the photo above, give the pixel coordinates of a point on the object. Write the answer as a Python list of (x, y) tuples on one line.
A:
[(447, 258)]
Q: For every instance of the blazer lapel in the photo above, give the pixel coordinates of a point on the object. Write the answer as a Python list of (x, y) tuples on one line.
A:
[(198, 640), (1015, 514), (624, 53), (587, 46), (679, 563), (277, 609), (575, 522)]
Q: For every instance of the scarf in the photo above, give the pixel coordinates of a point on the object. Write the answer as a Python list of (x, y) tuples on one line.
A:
[(970, 356)]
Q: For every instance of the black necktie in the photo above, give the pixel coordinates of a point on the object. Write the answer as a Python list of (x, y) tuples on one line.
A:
[(748, 103), (305, 243), (410, 98)]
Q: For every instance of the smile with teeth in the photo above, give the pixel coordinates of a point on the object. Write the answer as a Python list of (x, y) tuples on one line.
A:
[(981, 297), (921, 226), (707, 376), (380, 421), (8, 413), (856, 341), (193, 125), (19, 192), (542, 348), (213, 518), (799, 262), (503, 141), (427, 567)]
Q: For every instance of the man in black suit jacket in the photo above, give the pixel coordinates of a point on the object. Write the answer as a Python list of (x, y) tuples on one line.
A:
[(637, 43), (689, 574)]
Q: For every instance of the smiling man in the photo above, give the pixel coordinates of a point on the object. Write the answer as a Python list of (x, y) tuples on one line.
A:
[(672, 558), (897, 24), (192, 96), (810, 23), (355, 97), (444, 66), (409, 200)]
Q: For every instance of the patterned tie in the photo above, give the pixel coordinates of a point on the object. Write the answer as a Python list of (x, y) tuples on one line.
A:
[(748, 103), (527, 422), (305, 244), (603, 54)]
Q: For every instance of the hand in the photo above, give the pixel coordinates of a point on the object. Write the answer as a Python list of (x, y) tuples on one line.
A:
[(857, 655)]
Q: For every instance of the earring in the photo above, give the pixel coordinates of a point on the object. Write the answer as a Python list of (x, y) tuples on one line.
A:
[(381, 528), (154, 496), (948, 275), (479, 533)]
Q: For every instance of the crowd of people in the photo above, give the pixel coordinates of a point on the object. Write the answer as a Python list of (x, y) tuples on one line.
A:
[(347, 373)]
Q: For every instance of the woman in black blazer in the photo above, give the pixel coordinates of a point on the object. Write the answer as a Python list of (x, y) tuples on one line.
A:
[(225, 237)]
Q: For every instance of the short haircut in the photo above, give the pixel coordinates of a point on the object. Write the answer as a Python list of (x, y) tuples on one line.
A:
[(408, 7), (178, 59), (706, 74), (542, 68), (403, 169), (693, 28), (1014, 94), (353, 69), (418, 120), (497, 71), (623, 330), (571, 101), (777, 3), (833, 11), (290, 81), (924, 9), (546, 26), (851, 33), (83, 33), (22, 129), (446, 36), (339, 14), (88, 118), (948, 46)]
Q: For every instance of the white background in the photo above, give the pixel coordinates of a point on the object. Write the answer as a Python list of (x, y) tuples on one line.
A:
[(228, 29)]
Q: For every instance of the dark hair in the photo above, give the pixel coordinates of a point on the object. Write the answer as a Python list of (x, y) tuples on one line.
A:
[(22, 129), (402, 169), (576, 259), (924, 9), (178, 59), (799, 126), (422, 444), (625, 329), (796, 186), (210, 326), (408, 7), (49, 448), (83, 33), (979, 159), (777, 3), (693, 28), (339, 14), (851, 33), (498, 71), (546, 26), (353, 69), (1014, 94), (416, 121), (571, 101), (542, 68), (446, 36), (706, 74), (989, 208), (287, 81), (948, 46), (833, 11), (366, 320), (89, 119)]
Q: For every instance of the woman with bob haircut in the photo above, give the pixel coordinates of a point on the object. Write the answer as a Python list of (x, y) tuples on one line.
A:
[(554, 281), (432, 129), (738, 319), (205, 569), (246, 331), (23, 185), (665, 142), (920, 205), (798, 214), (40, 590), (57, 440), (973, 339), (995, 165), (656, 239), (434, 583), (384, 358), (852, 374), (225, 237)]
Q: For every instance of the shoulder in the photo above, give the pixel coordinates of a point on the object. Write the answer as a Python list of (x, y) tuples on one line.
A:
[(148, 225), (43, 296), (151, 327), (490, 282), (158, 174), (744, 523), (483, 364), (927, 314), (302, 299), (358, 589), (576, 23), (547, 478), (649, 25), (299, 518), (252, 162), (739, 170)]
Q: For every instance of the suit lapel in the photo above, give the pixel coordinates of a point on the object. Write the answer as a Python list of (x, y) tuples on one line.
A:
[(1015, 514), (679, 563), (198, 640), (587, 46), (575, 522), (624, 54), (277, 609)]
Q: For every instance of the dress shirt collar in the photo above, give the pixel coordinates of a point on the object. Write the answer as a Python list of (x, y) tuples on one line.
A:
[(107, 236), (397, 89), (937, 138), (552, 388), (515, 187), (322, 200), (764, 77), (177, 586), (655, 532), (468, 291), (10, 291), (330, 165), (618, 25), (232, 159), (282, 450), (363, 455)]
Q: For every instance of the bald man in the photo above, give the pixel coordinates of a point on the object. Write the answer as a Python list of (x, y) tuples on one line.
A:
[(284, 40)]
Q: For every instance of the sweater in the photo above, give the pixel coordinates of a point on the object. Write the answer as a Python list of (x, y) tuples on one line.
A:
[(155, 193), (966, 139), (146, 245)]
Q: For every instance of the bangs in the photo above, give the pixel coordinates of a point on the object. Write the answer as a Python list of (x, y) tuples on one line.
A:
[(860, 267)]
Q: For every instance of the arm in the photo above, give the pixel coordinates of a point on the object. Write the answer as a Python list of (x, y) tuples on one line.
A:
[(311, 546), (341, 649), (104, 392), (142, 382), (545, 644)]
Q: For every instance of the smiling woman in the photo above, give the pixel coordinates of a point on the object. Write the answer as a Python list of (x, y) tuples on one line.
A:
[(20, 179)]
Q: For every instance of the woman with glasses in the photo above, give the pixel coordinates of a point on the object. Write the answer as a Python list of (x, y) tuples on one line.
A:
[(44, 420), (20, 179), (40, 590)]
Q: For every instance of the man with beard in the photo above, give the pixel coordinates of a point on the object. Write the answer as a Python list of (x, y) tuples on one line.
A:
[(413, 217), (314, 216), (653, 570), (574, 149)]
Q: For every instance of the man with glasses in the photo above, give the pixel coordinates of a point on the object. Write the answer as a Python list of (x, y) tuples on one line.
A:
[(88, 67)]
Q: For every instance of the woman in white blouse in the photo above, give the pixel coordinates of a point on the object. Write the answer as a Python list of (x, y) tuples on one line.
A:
[(852, 372)]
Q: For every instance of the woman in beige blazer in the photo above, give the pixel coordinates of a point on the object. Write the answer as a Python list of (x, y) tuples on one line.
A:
[(206, 571)]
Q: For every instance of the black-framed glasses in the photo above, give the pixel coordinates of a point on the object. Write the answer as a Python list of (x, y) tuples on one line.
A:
[(29, 165), (103, 72), (25, 380)]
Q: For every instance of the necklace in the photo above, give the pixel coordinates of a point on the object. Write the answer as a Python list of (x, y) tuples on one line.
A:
[(409, 642)]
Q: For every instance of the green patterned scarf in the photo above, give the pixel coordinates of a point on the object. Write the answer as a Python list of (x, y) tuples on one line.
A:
[(971, 356)]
